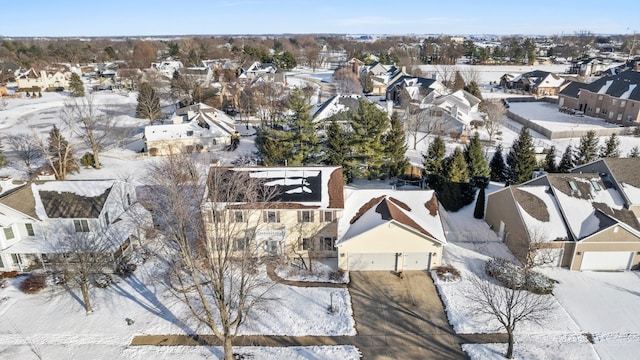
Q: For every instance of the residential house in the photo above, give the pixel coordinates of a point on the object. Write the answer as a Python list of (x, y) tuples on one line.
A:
[(588, 67), (451, 112), (411, 89), (300, 216), (578, 221), (382, 76), (41, 219), (538, 82), (309, 213), (258, 71), (196, 128), (615, 98), (31, 80), (167, 67), (335, 107), (392, 230)]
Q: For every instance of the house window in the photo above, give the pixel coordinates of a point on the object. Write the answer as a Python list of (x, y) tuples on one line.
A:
[(628, 117), (599, 97), (572, 186), (614, 101), (328, 244), (81, 225), (271, 216), (619, 117), (15, 258), (328, 216), (238, 216), (106, 218), (8, 233), (623, 103), (306, 216), (128, 199), (29, 228), (595, 185), (190, 133), (305, 244), (610, 115), (597, 110), (240, 244)]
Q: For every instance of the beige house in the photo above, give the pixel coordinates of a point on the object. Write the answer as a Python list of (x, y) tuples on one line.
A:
[(578, 221), (34, 81), (300, 216), (197, 128), (394, 230)]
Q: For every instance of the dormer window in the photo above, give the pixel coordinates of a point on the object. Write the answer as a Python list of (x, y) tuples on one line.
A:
[(29, 228), (190, 133), (81, 225), (8, 233)]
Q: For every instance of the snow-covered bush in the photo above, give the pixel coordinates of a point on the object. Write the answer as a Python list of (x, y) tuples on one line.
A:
[(102, 280), (514, 276), (447, 273), (34, 283)]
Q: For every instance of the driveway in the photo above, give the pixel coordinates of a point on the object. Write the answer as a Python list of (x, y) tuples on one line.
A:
[(401, 318)]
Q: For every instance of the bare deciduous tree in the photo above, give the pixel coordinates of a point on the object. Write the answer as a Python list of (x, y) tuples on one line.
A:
[(89, 123), (213, 267), (422, 123), (446, 74), (347, 82), (510, 307), (496, 117), (26, 148)]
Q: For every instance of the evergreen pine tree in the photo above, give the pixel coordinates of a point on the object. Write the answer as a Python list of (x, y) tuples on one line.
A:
[(456, 167), (498, 167), (395, 148), (458, 82), (588, 148), (478, 212), (368, 124), (148, 103), (76, 85), (473, 89), (635, 152), (478, 165), (271, 149), (339, 149), (3, 159), (433, 162), (521, 159), (302, 130), (611, 147), (567, 162), (61, 155), (550, 160)]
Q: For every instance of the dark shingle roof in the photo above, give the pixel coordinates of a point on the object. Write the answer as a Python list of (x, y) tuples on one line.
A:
[(620, 84), (532, 204), (573, 89), (625, 170), (68, 205)]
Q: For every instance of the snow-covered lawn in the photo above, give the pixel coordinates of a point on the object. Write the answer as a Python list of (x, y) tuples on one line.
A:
[(55, 319), (324, 270), (603, 305), (547, 115)]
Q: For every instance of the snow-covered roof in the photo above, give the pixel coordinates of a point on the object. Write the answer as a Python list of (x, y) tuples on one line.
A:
[(335, 105), (542, 218), (369, 208), (312, 187), (202, 124)]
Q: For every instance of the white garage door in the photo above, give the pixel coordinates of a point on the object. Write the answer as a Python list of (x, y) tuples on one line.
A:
[(416, 261), (372, 261), (606, 260)]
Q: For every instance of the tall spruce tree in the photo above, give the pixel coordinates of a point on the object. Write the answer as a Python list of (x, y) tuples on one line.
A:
[(395, 148), (473, 89), (478, 165), (148, 103), (339, 149), (368, 124), (550, 160), (60, 155), (302, 130), (456, 167), (76, 85), (568, 160), (635, 152), (522, 158), (498, 166), (588, 148), (272, 150), (478, 212), (433, 162), (611, 148)]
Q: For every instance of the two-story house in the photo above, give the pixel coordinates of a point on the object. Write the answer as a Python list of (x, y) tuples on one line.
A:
[(41, 221), (615, 98), (32, 80)]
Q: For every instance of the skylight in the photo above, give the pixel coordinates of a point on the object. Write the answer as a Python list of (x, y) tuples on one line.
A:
[(573, 186), (595, 185)]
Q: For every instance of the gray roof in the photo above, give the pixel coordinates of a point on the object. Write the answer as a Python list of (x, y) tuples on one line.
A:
[(614, 86)]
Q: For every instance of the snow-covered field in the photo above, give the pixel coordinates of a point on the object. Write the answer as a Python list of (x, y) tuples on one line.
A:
[(601, 304)]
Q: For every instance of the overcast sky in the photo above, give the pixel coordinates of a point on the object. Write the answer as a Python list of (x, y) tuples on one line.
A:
[(195, 17)]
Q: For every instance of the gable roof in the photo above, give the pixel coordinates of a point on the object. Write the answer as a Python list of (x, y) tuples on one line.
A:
[(625, 172), (336, 105), (369, 208)]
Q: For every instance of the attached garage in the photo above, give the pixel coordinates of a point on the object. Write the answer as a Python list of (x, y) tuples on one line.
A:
[(372, 261), (606, 260), (416, 261)]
